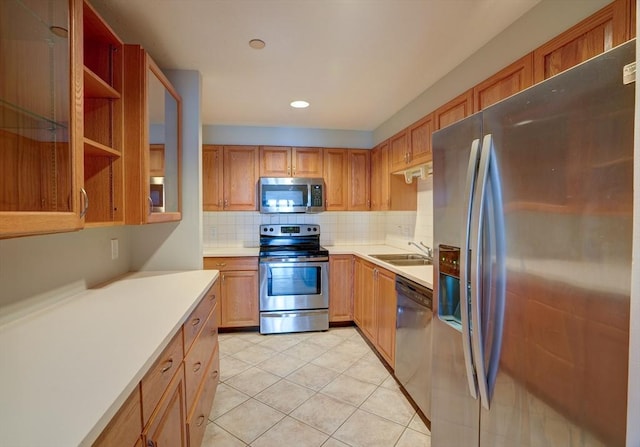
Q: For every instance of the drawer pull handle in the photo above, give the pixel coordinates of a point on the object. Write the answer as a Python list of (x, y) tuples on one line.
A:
[(215, 374), (151, 443), (195, 322), (212, 297), (221, 264), (200, 420), (197, 366), (169, 364)]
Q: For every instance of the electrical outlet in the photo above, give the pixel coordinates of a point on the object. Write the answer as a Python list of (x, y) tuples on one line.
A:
[(114, 249), (212, 232)]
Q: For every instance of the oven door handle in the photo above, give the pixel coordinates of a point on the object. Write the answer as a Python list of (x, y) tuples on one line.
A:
[(311, 261)]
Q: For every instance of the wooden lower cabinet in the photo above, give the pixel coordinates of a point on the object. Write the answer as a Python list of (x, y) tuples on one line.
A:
[(375, 307), (385, 308), (166, 427), (198, 415), (238, 290), (340, 288)]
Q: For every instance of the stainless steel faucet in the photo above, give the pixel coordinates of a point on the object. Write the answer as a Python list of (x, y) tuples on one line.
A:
[(428, 251)]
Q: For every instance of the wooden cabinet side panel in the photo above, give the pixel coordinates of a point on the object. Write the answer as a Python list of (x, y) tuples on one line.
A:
[(336, 165), (212, 169), (241, 174), (508, 81), (307, 162), (340, 288), (275, 161), (359, 180), (380, 177), (239, 299)]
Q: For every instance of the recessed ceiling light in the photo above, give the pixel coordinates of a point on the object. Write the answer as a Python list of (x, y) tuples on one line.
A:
[(300, 104), (257, 44)]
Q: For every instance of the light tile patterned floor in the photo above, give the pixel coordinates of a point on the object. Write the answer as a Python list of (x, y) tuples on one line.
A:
[(306, 390)]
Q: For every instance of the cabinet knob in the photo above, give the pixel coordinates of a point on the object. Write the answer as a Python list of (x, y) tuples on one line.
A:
[(226, 203), (221, 264), (289, 170), (195, 322), (169, 364), (200, 420), (197, 366)]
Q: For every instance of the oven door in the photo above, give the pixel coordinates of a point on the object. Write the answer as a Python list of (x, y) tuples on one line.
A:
[(294, 285)]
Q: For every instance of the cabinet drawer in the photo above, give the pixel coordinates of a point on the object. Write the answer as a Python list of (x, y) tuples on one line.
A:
[(197, 319), (232, 263), (198, 358), (155, 382), (198, 416), (125, 427)]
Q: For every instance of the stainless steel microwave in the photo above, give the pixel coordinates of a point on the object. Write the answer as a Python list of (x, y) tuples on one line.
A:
[(291, 195)]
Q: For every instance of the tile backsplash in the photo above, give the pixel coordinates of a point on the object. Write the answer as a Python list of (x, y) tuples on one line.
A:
[(240, 228)]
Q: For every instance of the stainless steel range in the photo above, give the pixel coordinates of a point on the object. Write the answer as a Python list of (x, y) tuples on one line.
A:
[(294, 279)]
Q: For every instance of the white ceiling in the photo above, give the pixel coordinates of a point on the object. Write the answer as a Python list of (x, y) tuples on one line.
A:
[(356, 61)]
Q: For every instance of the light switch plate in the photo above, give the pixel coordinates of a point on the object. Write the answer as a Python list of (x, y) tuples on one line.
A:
[(114, 249)]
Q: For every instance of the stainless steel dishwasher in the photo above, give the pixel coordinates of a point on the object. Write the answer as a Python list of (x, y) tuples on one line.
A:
[(413, 341)]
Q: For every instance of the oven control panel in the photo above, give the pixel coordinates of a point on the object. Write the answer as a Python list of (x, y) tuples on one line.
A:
[(289, 230)]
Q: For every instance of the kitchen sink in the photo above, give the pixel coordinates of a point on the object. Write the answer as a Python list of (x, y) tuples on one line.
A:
[(407, 259)]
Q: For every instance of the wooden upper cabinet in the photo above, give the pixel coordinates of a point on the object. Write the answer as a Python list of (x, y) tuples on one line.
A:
[(307, 162), (336, 179), (41, 126), (458, 108), (279, 161), (399, 151), (240, 178), (508, 81), (153, 132), (380, 175), (212, 177), (359, 178), (419, 136), (599, 32), (103, 121), (275, 161)]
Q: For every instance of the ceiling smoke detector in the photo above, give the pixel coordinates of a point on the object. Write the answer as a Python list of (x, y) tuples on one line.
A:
[(257, 44)]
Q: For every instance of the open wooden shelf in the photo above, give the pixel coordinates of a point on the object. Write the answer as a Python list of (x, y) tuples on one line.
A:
[(96, 149), (96, 87)]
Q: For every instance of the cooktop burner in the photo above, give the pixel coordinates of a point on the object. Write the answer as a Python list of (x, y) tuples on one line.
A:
[(289, 240)]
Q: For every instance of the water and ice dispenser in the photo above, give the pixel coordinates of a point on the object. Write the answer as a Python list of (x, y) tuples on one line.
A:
[(449, 279)]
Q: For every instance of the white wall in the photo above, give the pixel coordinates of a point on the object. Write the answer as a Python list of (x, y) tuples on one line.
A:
[(51, 266), (286, 136), (178, 246), (544, 21)]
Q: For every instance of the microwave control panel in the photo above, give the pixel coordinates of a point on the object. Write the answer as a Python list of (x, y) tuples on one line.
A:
[(316, 195)]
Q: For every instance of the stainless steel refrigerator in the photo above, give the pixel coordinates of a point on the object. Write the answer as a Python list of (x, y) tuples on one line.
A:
[(532, 226)]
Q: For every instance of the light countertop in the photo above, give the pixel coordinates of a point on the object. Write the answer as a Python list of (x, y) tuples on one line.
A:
[(422, 274), (68, 368)]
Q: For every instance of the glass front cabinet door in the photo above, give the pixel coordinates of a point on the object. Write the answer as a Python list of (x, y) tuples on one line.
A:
[(153, 139), (40, 120)]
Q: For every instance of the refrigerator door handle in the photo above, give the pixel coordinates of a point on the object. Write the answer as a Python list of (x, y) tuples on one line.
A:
[(487, 171), (465, 289), (475, 245)]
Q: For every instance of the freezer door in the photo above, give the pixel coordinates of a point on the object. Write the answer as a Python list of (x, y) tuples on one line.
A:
[(564, 155), (454, 412)]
